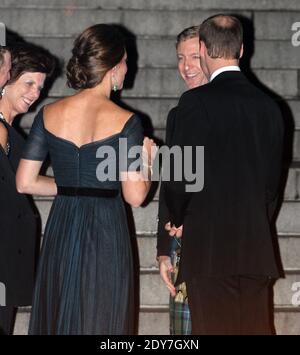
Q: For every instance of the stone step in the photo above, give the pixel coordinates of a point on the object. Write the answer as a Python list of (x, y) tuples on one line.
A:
[(153, 110), (296, 145), (154, 292), (256, 5), (287, 322), (155, 24), (160, 134), (165, 83), (292, 187), (69, 22), (275, 25), (267, 55), (154, 320), (145, 218), (287, 56), (289, 246), (287, 222), (291, 191)]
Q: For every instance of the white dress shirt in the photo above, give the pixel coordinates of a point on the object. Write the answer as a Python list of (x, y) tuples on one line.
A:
[(223, 69)]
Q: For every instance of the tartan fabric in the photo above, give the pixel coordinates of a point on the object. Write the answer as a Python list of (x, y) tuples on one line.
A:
[(180, 318)]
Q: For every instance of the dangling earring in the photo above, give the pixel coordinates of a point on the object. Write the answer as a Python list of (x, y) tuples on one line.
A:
[(114, 83), (2, 92)]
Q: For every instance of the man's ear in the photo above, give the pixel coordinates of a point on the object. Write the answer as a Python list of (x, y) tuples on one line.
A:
[(202, 48), (241, 51)]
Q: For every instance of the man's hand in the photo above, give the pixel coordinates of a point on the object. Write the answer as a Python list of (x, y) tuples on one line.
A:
[(173, 231), (165, 269)]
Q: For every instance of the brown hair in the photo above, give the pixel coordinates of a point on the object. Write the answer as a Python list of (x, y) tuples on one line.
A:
[(223, 36), (187, 33), (97, 50), (27, 57)]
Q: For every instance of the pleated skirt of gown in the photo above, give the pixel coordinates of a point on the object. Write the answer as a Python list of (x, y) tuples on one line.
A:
[(85, 282)]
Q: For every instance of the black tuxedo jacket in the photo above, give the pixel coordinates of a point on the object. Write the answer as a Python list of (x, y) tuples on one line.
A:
[(227, 224), (18, 229)]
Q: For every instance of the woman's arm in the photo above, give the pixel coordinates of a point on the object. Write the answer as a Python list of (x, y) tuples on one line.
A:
[(136, 185), (134, 188), (29, 181)]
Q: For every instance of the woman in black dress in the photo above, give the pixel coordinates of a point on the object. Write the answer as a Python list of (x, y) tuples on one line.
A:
[(85, 282), (18, 224)]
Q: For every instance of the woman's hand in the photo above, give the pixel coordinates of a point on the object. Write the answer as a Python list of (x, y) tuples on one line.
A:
[(136, 185), (149, 151)]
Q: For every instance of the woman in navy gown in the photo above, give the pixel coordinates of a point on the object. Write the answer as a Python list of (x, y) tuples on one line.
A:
[(85, 282)]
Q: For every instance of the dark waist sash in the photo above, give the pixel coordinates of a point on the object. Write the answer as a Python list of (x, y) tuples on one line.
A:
[(86, 191)]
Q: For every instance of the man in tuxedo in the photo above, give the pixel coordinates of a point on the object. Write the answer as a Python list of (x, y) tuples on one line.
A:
[(227, 257), (5, 65), (188, 64), (5, 59)]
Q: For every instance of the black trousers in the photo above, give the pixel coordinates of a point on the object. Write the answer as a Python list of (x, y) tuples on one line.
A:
[(7, 320), (236, 305)]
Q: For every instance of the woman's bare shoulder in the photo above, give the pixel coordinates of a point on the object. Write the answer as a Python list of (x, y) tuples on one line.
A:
[(121, 114), (55, 112), (56, 107)]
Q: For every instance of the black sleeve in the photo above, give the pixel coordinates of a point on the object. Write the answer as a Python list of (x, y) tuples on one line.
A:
[(170, 126), (36, 147), (192, 129), (275, 161), (163, 238)]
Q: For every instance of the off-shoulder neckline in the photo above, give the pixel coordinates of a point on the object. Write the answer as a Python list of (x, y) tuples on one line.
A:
[(108, 138)]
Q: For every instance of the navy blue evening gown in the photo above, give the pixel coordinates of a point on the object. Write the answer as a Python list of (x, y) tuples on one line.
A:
[(84, 283)]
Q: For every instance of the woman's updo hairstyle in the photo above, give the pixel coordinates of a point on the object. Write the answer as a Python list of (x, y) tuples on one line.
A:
[(97, 50)]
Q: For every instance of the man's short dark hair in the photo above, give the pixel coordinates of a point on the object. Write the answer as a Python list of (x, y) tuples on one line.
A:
[(187, 33), (223, 36)]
